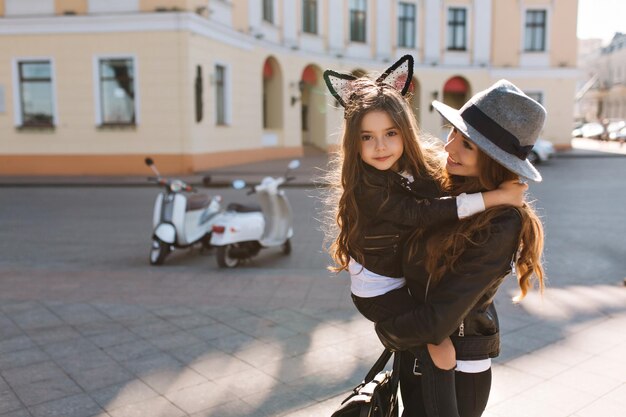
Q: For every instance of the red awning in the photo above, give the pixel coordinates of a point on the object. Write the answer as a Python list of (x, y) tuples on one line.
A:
[(309, 76), (456, 85), (267, 70)]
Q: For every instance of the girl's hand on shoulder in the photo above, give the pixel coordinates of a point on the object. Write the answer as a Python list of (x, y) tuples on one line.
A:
[(512, 193)]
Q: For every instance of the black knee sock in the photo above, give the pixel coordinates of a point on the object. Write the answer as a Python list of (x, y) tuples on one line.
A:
[(472, 392), (438, 387)]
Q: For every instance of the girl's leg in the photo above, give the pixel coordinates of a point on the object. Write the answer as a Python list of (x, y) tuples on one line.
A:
[(472, 392), (438, 387), (384, 306)]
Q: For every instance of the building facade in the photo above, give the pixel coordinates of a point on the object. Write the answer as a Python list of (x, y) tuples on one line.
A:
[(93, 86), (602, 90)]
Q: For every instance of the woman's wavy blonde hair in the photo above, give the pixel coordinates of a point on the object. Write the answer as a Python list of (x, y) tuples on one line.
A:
[(343, 223), (447, 245)]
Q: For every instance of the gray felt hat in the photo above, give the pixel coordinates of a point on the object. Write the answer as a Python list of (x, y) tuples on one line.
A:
[(503, 122)]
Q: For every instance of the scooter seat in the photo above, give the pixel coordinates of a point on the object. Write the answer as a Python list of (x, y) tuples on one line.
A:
[(197, 202), (243, 208)]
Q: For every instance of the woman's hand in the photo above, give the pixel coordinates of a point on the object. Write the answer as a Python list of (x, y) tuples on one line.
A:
[(509, 193)]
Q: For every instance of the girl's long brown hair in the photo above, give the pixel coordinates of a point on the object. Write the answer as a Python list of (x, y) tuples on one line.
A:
[(444, 248), (343, 224)]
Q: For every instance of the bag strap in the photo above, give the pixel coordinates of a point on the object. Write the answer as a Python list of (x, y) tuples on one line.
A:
[(379, 365)]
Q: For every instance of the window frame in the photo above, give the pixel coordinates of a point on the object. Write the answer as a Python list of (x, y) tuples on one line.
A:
[(227, 116), (402, 23), (532, 28), (98, 89), (451, 40), (310, 18), (17, 90), (358, 36)]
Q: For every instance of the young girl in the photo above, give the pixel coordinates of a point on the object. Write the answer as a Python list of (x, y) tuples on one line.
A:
[(385, 190)]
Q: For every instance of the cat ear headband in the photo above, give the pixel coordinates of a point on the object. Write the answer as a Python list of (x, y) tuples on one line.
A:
[(398, 76)]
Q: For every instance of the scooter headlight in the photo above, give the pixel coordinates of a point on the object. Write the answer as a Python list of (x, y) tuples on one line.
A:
[(177, 186)]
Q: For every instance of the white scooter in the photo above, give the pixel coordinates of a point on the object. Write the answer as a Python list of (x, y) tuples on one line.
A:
[(243, 230), (180, 220)]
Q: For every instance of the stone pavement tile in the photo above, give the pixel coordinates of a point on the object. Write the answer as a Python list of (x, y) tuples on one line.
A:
[(593, 341), (200, 397), (261, 328), (168, 312), (561, 352), (20, 358), (95, 328), (259, 353), (246, 383), (43, 391), (213, 331), (123, 313), (509, 382), (114, 338), (525, 406), (8, 329), (13, 343), (53, 334), (278, 401), (94, 378), (131, 350), (191, 321), (566, 399), (75, 314), (153, 328), (619, 394), (8, 401), (236, 408), (191, 353), (232, 342), (174, 340), (606, 366), (33, 373), (589, 382), (219, 365), (603, 407), (323, 385), (37, 318), (72, 348), (16, 307), (88, 360), (170, 380), (223, 313), (154, 362), (3, 385), (75, 406), (538, 365), (22, 412), (120, 395), (323, 408), (158, 406), (291, 319), (296, 345)]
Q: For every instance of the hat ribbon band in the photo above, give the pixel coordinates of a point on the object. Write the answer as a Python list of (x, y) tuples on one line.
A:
[(495, 133)]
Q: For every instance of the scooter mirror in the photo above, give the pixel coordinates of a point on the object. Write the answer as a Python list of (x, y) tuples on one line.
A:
[(294, 164), (149, 161), (239, 184)]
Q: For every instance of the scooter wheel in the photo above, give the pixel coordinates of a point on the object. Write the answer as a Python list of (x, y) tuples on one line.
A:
[(223, 257), (158, 252), (287, 247)]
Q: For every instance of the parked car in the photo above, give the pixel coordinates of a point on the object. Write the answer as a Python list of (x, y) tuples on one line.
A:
[(618, 135), (541, 152)]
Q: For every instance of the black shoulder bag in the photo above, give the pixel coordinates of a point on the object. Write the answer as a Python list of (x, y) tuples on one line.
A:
[(377, 395)]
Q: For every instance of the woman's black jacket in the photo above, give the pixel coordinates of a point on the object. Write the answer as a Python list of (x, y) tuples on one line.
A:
[(460, 305), (390, 210)]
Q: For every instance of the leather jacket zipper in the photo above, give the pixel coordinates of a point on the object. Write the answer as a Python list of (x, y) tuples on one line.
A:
[(381, 237), (462, 329)]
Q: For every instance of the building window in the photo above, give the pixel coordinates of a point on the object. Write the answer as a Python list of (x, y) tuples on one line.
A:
[(457, 29), (268, 11), (535, 34), (198, 94), (36, 98), (358, 19), (220, 94), (309, 16), (117, 91), (406, 25)]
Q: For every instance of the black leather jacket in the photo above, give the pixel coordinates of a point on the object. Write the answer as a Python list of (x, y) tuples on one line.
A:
[(391, 210), (461, 304)]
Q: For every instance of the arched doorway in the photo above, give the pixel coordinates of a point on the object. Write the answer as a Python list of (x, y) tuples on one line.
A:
[(456, 91), (272, 102), (313, 107)]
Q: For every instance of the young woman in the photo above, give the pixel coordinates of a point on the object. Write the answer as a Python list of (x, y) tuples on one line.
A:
[(454, 276), (385, 191)]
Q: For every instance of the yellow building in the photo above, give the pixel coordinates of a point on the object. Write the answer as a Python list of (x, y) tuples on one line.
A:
[(93, 86)]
